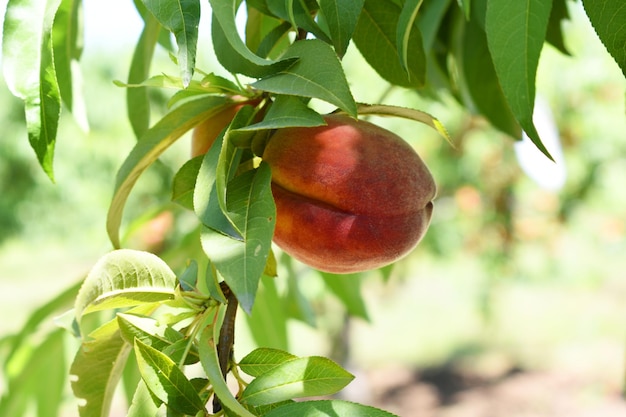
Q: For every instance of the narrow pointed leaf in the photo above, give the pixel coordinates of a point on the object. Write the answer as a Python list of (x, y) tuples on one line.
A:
[(482, 82), (376, 38), (324, 408), (263, 360), (516, 31), (348, 289), (97, 369), (125, 278), (287, 111), (211, 365), (28, 67), (137, 101), (148, 149), (68, 44), (268, 319), (318, 74), (182, 18), (341, 17), (166, 381), (230, 50), (406, 113), (608, 18), (406, 20), (142, 404), (297, 378), (242, 262)]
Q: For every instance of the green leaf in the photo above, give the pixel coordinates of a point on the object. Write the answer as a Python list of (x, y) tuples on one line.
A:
[(298, 14), (38, 380), (211, 366), (205, 194), (341, 17), (28, 66), (317, 74), (268, 319), (124, 278), (148, 149), (67, 34), (297, 378), (182, 18), (429, 20), (185, 181), (166, 381), (263, 360), (466, 6), (142, 404), (97, 368), (608, 18), (150, 332), (287, 111), (231, 51), (554, 34), (407, 18), (242, 262), (325, 408), (347, 288), (482, 82), (375, 36), (516, 31), (137, 100), (405, 113)]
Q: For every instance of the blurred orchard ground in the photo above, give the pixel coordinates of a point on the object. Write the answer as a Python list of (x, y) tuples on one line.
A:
[(513, 304)]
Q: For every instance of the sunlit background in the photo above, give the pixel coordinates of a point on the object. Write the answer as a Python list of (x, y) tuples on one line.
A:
[(513, 304)]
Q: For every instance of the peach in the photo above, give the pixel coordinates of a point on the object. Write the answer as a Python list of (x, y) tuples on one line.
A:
[(350, 196)]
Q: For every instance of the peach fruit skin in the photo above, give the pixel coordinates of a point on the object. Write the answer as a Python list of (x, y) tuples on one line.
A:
[(350, 196)]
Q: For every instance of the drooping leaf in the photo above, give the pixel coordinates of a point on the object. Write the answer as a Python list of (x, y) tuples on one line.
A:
[(28, 67), (516, 31), (166, 381), (324, 408), (554, 34), (242, 262), (317, 73), (148, 149), (143, 403), (341, 17), (466, 6), (123, 278), (150, 332), (185, 182), (211, 366), (406, 113), (407, 18), (38, 381), (482, 82), (268, 319), (348, 289), (297, 378), (263, 360), (182, 18), (137, 101), (607, 18), (67, 39), (205, 197), (429, 20), (231, 51), (375, 37), (299, 15), (97, 368), (287, 111)]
